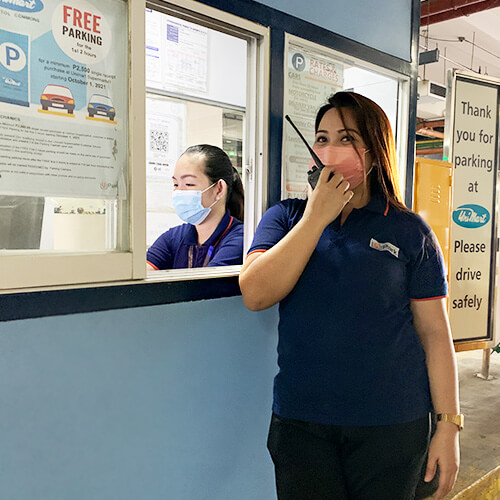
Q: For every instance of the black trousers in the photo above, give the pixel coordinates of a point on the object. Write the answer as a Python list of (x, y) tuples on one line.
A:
[(330, 462)]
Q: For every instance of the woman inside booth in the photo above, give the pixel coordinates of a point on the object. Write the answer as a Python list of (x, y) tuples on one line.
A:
[(208, 197), (365, 352)]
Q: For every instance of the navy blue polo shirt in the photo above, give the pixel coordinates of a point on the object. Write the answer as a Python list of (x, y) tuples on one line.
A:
[(348, 352), (178, 247)]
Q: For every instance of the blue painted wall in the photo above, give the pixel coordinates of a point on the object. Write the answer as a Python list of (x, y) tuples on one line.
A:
[(164, 402), (382, 24)]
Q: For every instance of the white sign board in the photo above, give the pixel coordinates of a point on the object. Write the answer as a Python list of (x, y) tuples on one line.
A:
[(310, 78), (473, 144), (64, 98)]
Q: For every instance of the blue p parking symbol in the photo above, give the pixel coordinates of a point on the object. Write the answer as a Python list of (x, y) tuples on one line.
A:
[(12, 56), (298, 62)]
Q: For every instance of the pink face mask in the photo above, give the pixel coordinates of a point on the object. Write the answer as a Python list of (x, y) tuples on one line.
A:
[(345, 161)]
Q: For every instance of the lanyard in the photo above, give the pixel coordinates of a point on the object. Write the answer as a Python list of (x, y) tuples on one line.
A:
[(211, 248), (207, 257), (191, 256)]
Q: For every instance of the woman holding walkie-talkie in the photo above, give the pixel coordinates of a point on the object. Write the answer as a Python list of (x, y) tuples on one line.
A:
[(365, 350)]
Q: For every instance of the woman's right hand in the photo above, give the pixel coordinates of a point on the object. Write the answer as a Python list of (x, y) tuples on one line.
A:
[(328, 199), (266, 278)]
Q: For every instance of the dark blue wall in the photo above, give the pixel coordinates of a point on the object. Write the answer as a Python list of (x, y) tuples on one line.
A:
[(357, 19)]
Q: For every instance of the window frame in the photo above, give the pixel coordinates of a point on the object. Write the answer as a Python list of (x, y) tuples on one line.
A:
[(36, 270), (21, 269)]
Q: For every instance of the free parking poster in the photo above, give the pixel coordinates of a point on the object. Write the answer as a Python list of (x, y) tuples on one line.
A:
[(64, 98)]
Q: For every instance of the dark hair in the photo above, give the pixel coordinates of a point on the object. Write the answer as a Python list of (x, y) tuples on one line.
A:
[(219, 166), (375, 129)]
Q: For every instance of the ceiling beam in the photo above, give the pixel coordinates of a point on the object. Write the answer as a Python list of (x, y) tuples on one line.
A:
[(429, 123), (426, 128), (436, 11), (433, 7), (435, 151), (429, 132)]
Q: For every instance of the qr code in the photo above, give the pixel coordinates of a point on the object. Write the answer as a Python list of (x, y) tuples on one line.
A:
[(158, 140)]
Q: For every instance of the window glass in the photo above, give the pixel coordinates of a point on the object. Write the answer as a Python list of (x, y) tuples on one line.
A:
[(80, 224), (312, 74), (232, 138), (60, 224), (196, 80)]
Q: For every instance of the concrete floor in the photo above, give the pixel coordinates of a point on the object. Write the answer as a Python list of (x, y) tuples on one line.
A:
[(480, 403)]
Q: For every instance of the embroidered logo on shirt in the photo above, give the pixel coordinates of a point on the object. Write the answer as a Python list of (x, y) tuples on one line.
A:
[(384, 247)]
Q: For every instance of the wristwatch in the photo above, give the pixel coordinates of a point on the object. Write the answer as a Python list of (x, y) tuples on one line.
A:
[(458, 420)]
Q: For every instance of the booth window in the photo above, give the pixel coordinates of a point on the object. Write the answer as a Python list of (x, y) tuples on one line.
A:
[(67, 167), (202, 84), (196, 82), (90, 138)]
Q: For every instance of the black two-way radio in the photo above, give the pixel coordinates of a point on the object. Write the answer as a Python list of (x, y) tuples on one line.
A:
[(313, 174)]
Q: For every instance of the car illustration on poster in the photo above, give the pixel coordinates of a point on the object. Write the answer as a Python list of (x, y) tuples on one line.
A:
[(101, 105), (59, 97)]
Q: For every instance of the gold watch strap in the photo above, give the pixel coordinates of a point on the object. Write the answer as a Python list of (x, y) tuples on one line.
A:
[(458, 420)]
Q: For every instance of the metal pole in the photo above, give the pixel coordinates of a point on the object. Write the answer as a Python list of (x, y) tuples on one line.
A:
[(485, 370)]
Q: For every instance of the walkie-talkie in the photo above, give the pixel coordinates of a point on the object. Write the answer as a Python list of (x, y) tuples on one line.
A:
[(313, 174)]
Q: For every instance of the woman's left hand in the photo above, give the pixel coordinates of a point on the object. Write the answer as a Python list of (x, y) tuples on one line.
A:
[(444, 451), (431, 322)]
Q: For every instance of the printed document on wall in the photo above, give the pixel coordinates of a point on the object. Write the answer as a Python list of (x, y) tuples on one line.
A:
[(311, 77), (176, 54), (64, 98)]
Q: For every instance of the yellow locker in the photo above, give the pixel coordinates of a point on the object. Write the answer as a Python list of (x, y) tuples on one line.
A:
[(432, 198)]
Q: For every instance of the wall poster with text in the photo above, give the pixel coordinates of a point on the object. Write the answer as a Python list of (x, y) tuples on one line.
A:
[(311, 76), (64, 98), (472, 137)]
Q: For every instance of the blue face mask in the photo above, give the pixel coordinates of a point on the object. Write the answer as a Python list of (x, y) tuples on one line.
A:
[(188, 206)]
